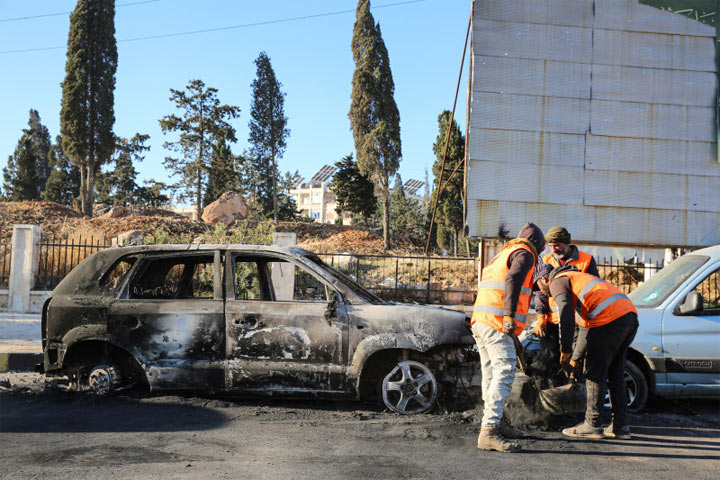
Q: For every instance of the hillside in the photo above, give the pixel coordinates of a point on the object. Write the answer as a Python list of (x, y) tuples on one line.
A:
[(60, 221)]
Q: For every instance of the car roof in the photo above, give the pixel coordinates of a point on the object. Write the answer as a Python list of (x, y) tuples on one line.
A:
[(713, 251), (192, 247)]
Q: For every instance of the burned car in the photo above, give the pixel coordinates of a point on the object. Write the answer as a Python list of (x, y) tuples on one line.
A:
[(246, 319)]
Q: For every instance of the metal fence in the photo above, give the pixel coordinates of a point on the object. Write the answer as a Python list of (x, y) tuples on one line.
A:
[(428, 280), (436, 280), (5, 253), (59, 256), (627, 275)]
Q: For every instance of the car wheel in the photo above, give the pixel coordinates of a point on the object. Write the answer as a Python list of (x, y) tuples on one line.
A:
[(636, 387), (410, 387), (103, 379)]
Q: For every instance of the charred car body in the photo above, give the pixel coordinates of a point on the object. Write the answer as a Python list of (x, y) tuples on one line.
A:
[(249, 319)]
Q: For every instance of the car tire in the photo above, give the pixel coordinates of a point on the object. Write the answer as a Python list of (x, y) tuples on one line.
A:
[(636, 387), (409, 387), (104, 379)]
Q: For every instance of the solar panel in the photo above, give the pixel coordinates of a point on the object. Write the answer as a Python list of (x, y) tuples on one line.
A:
[(412, 186), (298, 182), (323, 174)]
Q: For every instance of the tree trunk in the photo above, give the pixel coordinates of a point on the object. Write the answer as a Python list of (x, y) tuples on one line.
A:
[(198, 196), (83, 187), (275, 182), (467, 247), (386, 223), (89, 197), (455, 243)]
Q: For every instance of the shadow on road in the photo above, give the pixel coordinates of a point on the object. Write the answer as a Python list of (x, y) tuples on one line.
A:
[(40, 414)]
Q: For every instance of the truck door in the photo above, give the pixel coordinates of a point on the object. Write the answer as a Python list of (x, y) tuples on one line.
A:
[(284, 332), (691, 342)]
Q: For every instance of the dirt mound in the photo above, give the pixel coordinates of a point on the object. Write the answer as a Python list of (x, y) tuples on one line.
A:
[(326, 238), (58, 221)]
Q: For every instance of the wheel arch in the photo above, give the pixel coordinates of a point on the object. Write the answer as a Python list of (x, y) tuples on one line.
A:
[(639, 359)]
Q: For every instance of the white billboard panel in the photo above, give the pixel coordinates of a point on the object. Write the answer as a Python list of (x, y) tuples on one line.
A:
[(603, 122)]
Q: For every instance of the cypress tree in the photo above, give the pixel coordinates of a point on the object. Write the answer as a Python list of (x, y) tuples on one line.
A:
[(87, 113), (63, 184), (268, 129), (450, 208), (374, 117), (353, 190), (203, 120)]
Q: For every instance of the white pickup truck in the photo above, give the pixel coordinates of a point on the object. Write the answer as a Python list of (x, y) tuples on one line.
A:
[(676, 352)]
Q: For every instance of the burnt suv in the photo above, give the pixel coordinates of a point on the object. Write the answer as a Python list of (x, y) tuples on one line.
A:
[(246, 319)]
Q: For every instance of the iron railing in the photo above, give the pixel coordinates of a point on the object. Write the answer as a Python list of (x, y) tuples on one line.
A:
[(431, 280), (59, 256), (5, 254)]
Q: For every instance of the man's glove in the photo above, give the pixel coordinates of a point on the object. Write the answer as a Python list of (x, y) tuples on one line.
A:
[(509, 325), (565, 363), (540, 323)]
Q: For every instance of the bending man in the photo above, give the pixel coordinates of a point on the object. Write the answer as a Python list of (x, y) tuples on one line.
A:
[(608, 323)]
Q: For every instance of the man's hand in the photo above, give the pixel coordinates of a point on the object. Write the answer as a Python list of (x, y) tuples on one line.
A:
[(540, 323), (565, 363), (509, 325)]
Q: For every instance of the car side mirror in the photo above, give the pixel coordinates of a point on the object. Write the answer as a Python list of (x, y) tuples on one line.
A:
[(693, 303), (331, 306)]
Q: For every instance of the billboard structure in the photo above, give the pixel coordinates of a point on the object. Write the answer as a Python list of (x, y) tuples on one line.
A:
[(599, 115)]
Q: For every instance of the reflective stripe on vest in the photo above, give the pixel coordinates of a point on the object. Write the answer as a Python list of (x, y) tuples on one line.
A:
[(501, 286), (595, 301), (582, 263), (490, 303)]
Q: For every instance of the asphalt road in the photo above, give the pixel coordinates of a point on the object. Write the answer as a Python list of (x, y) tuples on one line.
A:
[(49, 432)]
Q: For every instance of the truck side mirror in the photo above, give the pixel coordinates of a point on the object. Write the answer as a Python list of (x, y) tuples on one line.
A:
[(693, 303)]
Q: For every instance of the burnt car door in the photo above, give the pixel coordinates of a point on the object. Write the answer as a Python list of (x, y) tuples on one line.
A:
[(171, 316), (286, 329)]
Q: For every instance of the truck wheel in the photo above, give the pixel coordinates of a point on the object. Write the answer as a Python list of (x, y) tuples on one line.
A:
[(636, 387), (103, 379), (410, 387)]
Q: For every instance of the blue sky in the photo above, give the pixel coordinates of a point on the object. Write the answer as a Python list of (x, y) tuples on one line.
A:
[(311, 57)]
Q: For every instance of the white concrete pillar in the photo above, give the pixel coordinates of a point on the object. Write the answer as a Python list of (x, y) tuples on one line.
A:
[(23, 266), (283, 274)]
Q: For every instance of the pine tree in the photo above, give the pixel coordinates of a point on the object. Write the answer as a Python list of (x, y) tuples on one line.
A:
[(221, 174), (374, 117), (21, 173), (353, 190), (63, 184), (87, 113), (203, 120), (118, 186), (34, 146), (405, 213), (268, 129), (449, 212)]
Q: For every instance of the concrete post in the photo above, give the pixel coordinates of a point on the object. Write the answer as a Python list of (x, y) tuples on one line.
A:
[(283, 274), (23, 266)]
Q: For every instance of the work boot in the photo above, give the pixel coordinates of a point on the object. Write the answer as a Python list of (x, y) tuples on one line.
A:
[(491, 439), (508, 431), (621, 433), (583, 430)]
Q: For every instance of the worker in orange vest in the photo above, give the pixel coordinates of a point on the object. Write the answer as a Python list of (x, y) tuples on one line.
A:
[(608, 323), (501, 309), (562, 252)]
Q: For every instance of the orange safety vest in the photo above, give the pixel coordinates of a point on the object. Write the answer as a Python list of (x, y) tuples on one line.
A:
[(490, 303), (595, 301), (582, 263)]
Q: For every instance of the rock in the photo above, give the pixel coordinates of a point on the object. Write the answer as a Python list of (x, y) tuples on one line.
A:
[(131, 237), (227, 209), (115, 212)]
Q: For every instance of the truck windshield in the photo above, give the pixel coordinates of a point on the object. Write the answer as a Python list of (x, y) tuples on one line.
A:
[(653, 292)]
